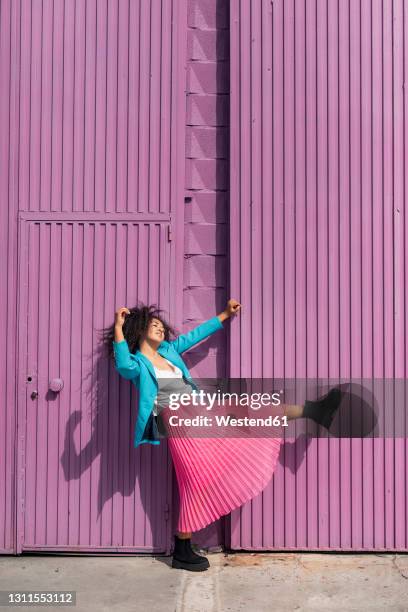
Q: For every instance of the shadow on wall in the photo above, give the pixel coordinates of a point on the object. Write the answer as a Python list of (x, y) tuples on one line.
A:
[(99, 451)]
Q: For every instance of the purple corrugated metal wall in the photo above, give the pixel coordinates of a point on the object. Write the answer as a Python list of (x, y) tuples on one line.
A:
[(318, 235), (93, 129), (206, 206), (92, 123)]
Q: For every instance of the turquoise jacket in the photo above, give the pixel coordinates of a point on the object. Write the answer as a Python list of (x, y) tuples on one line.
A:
[(139, 369)]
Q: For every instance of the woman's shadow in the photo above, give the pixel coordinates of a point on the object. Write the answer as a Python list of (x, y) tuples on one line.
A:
[(123, 492), (128, 495)]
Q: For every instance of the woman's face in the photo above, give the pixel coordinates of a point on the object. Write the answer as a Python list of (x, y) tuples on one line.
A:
[(155, 331)]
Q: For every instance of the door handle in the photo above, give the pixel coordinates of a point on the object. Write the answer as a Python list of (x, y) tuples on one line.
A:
[(56, 384)]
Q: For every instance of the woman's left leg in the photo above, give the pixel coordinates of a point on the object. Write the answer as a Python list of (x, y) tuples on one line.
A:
[(293, 411)]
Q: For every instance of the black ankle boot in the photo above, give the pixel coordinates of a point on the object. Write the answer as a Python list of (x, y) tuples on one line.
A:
[(322, 410), (185, 558)]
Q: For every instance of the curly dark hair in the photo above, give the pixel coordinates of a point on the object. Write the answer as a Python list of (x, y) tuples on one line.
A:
[(135, 326)]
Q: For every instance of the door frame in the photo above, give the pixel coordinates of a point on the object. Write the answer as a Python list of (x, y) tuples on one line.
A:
[(25, 219)]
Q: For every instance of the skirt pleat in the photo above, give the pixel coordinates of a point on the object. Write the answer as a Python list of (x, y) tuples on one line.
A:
[(218, 475)]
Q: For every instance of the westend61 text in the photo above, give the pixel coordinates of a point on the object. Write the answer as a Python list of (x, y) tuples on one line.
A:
[(226, 421)]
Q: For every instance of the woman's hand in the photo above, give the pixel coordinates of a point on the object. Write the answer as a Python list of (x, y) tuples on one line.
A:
[(120, 316), (231, 310)]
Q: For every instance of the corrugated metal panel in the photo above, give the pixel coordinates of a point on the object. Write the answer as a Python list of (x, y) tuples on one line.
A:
[(8, 249), (92, 127), (96, 122), (318, 234), (83, 486)]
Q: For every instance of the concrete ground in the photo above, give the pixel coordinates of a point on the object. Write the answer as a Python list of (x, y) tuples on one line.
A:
[(235, 581)]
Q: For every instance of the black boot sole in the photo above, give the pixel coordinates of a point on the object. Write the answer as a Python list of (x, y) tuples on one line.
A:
[(193, 567)]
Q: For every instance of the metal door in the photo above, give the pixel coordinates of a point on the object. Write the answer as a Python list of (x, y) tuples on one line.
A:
[(81, 483)]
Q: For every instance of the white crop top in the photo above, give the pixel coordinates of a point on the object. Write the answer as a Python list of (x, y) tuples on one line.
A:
[(175, 371), (169, 382)]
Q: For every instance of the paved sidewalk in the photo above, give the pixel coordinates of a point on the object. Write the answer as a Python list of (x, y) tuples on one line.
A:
[(241, 581)]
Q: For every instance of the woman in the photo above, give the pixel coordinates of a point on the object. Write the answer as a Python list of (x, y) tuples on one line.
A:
[(214, 475)]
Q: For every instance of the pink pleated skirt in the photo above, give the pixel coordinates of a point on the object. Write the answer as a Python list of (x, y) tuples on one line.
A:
[(215, 475)]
